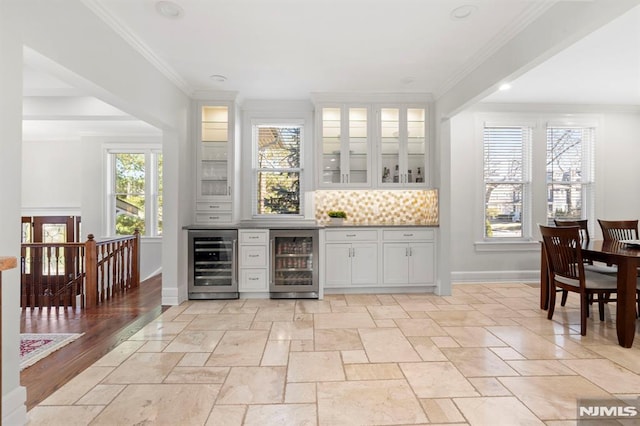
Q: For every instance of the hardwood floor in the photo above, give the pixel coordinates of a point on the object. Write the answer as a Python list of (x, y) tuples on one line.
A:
[(105, 327)]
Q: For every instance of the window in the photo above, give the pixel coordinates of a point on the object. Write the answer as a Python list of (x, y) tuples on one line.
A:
[(569, 171), (135, 192), (506, 180), (278, 169)]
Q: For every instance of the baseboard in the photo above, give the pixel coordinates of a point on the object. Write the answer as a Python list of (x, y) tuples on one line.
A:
[(170, 297), (14, 410), (380, 290), (495, 276), (151, 275)]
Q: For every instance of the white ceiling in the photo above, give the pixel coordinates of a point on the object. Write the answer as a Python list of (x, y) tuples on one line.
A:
[(289, 49)]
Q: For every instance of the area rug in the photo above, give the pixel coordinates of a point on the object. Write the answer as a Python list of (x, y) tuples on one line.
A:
[(34, 347)]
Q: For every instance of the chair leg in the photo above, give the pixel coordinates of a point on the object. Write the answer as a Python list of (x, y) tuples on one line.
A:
[(563, 301), (601, 307), (584, 306), (552, 302)]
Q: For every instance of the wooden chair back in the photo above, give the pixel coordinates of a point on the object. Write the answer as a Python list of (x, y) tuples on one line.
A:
[(614, 230), (581, 223), (564, 254)]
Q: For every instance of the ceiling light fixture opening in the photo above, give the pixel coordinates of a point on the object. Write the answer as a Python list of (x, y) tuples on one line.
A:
[(504, 86), (218, 78), (463, 12), (169, 9)]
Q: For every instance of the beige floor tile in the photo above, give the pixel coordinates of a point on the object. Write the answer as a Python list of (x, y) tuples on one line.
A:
[(297, 316), (194, 359), (155, 345), (496, 310), (185, 318), (507, 353), (221, 322), (628, 358), (570, 344), (387, 312), (253, 385), (275, 314), (63, 415), (159, 330), (160, 404), (379, 402), (261, 325), (496, 411), (473, 337), (301, 346), (276, 353), (198, 307), (552, 398), (420, 327), (387, 345), (427, 350), (460, 318), (528, 343), (385, 323), (100, 395), (226, 415), (315, 367), (361, 299), (437, 380), (300, 393), (373, 371), (77, 387), (441, 410), (445, 342), (417, 305), (346, 309), (489, 386), (144, 368), (312, 306), (291, 330), (239, 348), (119, 354), (197, 375), (343, 320), (195, 341), (354, 357), (541, 368), (281, 414), (344, 339), (478, 362), (606, 374)]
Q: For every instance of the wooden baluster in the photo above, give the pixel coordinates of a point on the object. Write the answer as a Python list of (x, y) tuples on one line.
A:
[(91, 280), (135, 259)]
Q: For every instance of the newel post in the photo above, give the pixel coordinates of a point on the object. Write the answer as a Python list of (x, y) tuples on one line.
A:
[(135, 268), (91, 271)]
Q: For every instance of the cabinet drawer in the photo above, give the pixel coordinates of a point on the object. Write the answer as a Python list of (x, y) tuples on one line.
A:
[(407, 234), (253, 237), (351, 235), (253, 280), (214, 207), (213, 217), (253, 256)]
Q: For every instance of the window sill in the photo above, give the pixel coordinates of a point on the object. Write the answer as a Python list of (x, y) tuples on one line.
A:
[(507, 246)]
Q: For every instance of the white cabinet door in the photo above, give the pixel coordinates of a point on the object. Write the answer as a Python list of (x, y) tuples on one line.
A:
[(396, 263), (364, 264), (421, 263), (337, 265)]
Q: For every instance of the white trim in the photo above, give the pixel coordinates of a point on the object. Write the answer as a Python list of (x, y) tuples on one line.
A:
[(532, 276), (51, 211), (14, 410), (170, 296), (382, 290)]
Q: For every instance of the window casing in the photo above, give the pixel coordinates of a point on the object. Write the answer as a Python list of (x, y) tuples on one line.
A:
[(277, 170), (134, 191), (506, 180)]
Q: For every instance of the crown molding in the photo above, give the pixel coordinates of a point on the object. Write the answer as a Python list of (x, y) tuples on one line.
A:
[(529, 15), (134, 41)]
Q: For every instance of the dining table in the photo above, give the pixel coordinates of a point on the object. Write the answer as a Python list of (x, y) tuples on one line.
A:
[(627, 259)]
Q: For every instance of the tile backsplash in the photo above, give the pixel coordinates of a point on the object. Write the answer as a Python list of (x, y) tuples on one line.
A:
[(380, 206)]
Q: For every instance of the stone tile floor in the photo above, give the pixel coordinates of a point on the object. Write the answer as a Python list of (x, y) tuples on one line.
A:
[(484, 356)]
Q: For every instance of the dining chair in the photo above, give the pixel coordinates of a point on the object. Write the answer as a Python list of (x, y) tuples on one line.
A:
[(566, 271), (614, 230)]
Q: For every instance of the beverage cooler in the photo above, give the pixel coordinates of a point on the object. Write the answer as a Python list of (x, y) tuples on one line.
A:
[(213, 264), (294, 264)]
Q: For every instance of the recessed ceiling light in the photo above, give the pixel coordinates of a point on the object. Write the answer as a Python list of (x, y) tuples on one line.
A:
[(504, 86), (218, 78), (463, 12), (169, 9)]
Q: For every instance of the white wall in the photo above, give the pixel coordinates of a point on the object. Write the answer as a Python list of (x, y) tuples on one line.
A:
[(616, 152)]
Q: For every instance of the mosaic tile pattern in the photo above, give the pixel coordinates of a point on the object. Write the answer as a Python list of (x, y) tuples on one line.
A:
[(379, 207)]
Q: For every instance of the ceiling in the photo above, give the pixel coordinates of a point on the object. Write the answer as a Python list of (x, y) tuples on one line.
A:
[(289, 49)]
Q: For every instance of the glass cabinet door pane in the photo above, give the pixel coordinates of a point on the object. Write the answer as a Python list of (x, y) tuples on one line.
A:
[(390, 144), (293, 261), (331, 145), (213, 262), (358, 143), (214, 150), (416, 144)]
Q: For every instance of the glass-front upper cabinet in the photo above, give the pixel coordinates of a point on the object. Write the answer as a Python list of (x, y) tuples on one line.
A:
[(214, 152), (345, 147), (403, 144)]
